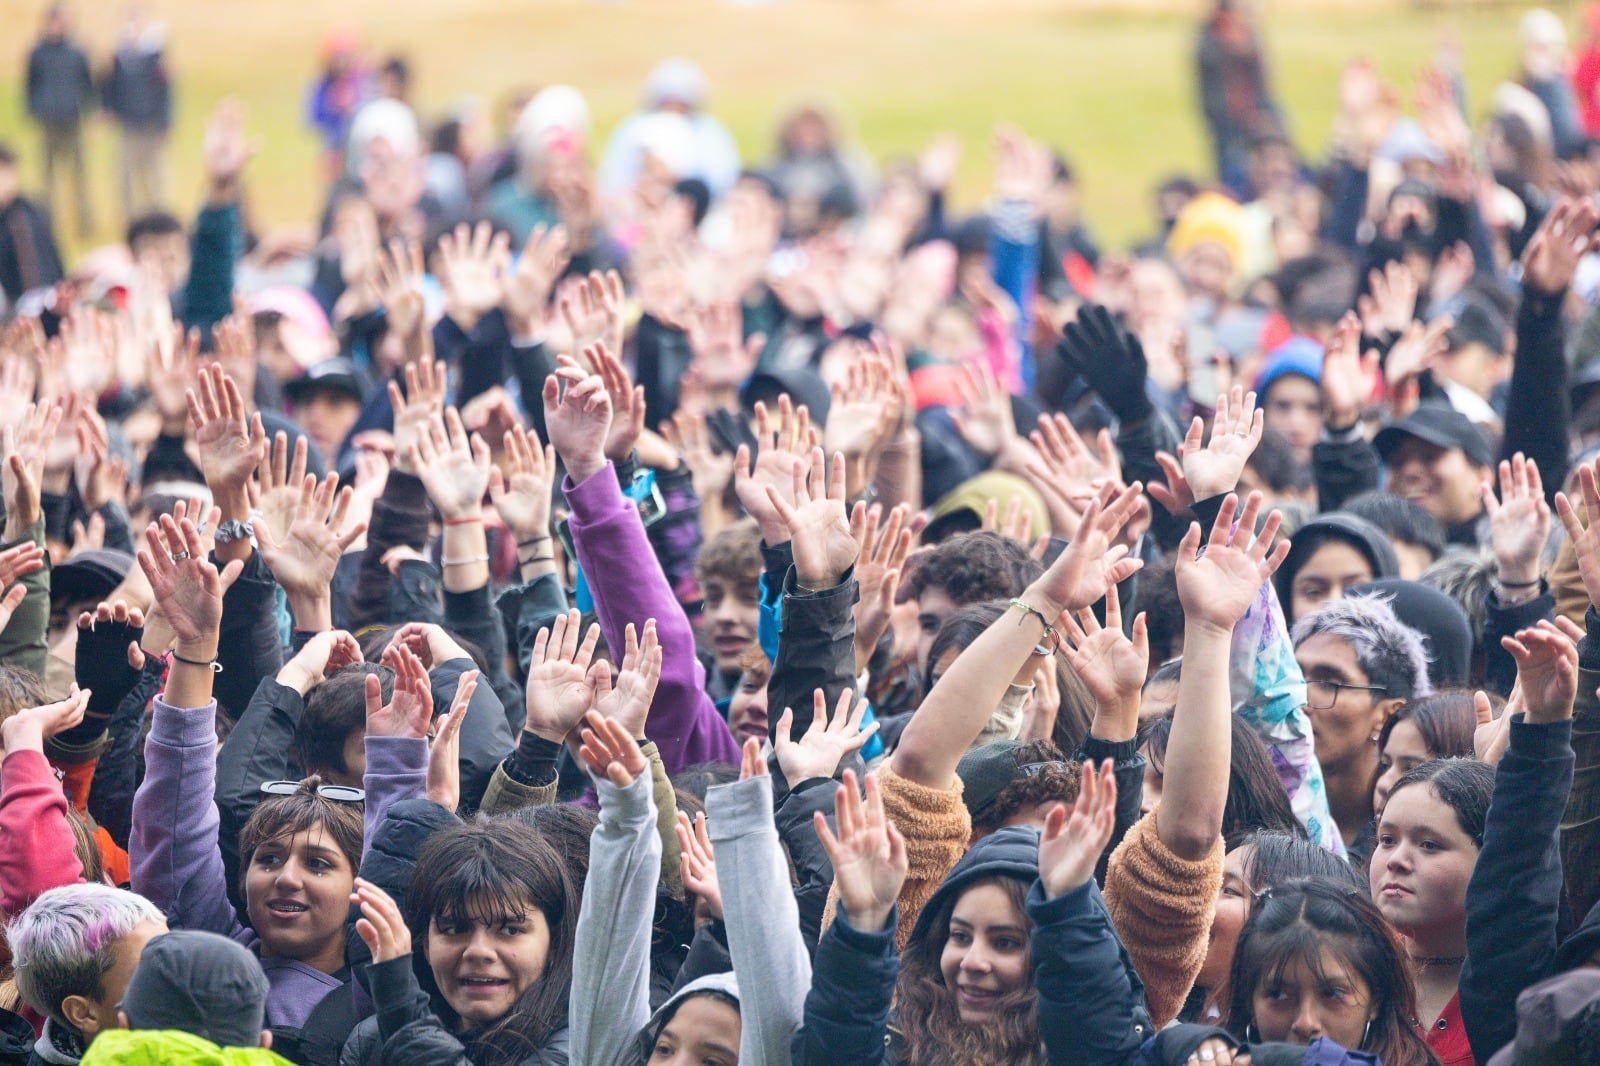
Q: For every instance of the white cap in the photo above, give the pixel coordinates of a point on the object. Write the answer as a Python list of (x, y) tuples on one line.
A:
[(389, 119), (557, 112), (675, 79)]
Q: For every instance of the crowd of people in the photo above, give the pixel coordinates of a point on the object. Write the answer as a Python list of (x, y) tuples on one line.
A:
[(629, 605)]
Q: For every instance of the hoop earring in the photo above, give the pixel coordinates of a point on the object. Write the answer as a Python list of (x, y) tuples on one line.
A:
[(1251, 1036), (1365, 1034)]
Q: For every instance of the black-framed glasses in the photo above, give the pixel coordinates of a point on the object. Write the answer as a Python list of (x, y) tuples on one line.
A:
[(336, 793), (1320, 694)]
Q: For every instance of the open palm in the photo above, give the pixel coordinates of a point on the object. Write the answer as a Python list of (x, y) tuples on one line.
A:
[(1218, 586)]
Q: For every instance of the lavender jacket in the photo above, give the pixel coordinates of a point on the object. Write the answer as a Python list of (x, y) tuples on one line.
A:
[(628, 585), (177, 865)]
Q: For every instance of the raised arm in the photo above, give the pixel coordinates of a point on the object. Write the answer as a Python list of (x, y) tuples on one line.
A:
[(955, 711), (624, 575), (1514, 896), (37, 844), (759, 909), (173, 850), (1519, 528), (611, 958)]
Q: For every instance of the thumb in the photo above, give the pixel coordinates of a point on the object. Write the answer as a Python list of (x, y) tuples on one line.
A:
[(1481, 708)]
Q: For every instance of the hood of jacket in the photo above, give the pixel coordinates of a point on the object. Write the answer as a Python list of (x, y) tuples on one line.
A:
[(1350, 529), (1009, 852), (722, 984)]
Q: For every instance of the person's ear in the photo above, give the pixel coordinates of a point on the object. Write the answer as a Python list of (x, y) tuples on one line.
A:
[(122, 1020), (266, 1040), (80, 1014), (1381, 710)]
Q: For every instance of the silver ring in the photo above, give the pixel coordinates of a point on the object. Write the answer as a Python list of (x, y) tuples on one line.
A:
[(1206, 1056), (179, 557)]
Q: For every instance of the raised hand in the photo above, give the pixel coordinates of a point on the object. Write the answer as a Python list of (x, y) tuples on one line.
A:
[(231, 445), (1218, 585), (1547, 668), (444, 749), (863, 414), (1585, 541), (280, 483), (593, 311), (28, 729), (472, 262), (303, 562), (578, 419), (985, 420), (1112, 667), (868, 854), (627, 401), (521, 486), (824, 544), (880, 558), (381, 924), (710, 471), (561, 687), (225, 150), (410, 709), (1519, 523), (1110, 359), (782, 447), (453, 466), (173, 368), (1067, 473), (186, 585), (108, 644), (1215, 468), (1347, 375), (396, 284), (699, 862), (322, 656), (430, 643), (525, 291), (23, 449), (1071, 843), (609, 751), (421, 404), (1390, 302), (829, 740), (1090, 565), (1565, 236), (628, 700), (25, 558), (722, 357), (1416, 350)]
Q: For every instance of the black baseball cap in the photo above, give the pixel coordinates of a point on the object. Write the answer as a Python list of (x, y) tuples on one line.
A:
[(1441, 426), (338, 374)]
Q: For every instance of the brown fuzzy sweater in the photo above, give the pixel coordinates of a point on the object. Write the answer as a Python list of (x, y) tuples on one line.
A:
[(936, 826), (1162, 905)]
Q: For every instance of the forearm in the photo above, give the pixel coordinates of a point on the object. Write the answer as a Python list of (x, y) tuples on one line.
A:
[(218, 238), (397, 769), (960, 704), (465, 556), (37, 845), (898, 478), (816, 649), (1538, 408), (1195, 787), (250, 648), (399, 517), (22, 642)]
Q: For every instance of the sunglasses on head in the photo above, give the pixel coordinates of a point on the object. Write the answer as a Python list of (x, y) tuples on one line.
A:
[(337, 793)]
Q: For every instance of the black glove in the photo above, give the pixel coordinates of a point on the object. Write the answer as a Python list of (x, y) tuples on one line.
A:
[(101, 663), (1110, 359)]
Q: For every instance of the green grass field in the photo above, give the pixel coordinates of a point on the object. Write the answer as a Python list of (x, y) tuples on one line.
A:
[(1112, 87)]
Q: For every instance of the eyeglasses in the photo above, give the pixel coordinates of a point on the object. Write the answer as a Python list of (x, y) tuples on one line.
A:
[(336, 793), (1320, 695), (1035, 769)]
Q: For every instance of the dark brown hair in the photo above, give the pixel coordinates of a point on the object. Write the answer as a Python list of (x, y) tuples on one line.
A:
[(277, 817)]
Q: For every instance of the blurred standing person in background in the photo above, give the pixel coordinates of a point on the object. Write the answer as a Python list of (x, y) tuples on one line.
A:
[(137, 94), (338, 93), (59, 88), (1234, 96)]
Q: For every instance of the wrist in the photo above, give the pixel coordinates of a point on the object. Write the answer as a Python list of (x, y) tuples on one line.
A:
[(24, 736), (464, 317), (233, 499), (1205, 629), (581, 468), (201, 649), (55, 482), (462, 514), (1518, 575), (311, 613), (1116, 722), (869, 920)]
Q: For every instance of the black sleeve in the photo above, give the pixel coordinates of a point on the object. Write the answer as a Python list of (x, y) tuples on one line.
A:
[(260, 748), (530, 608), (816, 649), (249, 648), (1514, 896), (1128, 767), (1538, 408), (485, 735), (117, 772), (663, 356), (400, 516), (473, 615), (1138, 442), (1344, 467), (1091, 1001), (797, 830), (1500, 669)]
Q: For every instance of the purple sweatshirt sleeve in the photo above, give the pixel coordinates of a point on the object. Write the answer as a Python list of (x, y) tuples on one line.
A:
[(397, 769), (173, 851), (629, 586)]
